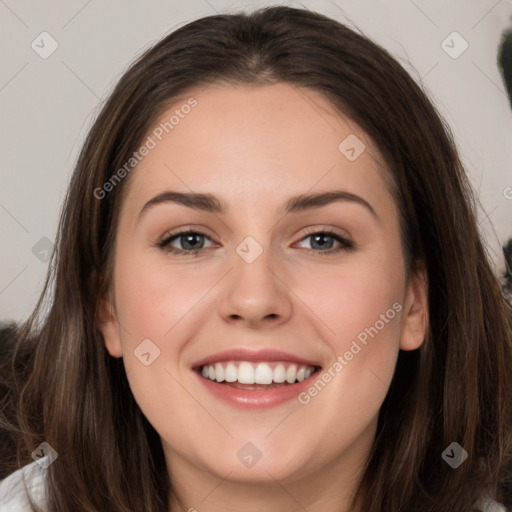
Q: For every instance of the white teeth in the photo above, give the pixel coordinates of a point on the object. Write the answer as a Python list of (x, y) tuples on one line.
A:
[(231, 374), (279, 374), (219, 372), (263, 374), (245, 373), (256, 373), (291, 374)]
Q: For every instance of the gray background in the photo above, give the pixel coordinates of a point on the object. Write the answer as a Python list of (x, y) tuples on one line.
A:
[(48, 104)]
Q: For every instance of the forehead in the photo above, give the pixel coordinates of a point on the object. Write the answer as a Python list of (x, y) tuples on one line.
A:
[(250, 140)]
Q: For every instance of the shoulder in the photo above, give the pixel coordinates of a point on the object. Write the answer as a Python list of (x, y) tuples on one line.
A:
[(489, 505), (17, 487)]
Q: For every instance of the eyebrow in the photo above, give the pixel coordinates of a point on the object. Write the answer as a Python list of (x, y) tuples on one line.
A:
[(211, 204)]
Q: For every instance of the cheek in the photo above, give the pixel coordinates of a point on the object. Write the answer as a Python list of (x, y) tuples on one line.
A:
[(347, 396), (152, 298), (362, 306), (354, 298), (150, 301), (158, 303)]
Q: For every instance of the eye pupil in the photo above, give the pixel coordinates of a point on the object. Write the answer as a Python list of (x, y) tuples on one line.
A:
[(319, 239), (188, 239)]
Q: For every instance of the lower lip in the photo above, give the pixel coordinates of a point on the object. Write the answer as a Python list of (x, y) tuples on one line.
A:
[(256, 398)]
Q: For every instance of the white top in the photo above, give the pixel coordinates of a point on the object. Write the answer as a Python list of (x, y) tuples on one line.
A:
[(13, 495)]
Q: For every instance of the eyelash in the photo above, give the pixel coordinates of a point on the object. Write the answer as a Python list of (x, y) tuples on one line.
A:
[(346, 245)]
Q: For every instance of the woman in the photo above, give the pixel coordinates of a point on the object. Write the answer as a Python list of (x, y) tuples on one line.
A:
[(197, 356)]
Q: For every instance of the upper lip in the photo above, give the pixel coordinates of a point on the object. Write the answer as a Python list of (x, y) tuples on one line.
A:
[(243, 354)]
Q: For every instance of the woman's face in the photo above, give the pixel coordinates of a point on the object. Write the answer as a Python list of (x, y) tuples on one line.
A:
[(268, 286)]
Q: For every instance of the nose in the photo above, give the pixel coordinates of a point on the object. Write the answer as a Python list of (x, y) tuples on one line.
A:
[(256, 294)]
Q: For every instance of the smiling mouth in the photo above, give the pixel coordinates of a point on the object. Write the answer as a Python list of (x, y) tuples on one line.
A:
[(261, 375)]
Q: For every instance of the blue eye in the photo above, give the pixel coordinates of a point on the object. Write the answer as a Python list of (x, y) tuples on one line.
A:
[(191, 242), (188, 239), (318, 238)]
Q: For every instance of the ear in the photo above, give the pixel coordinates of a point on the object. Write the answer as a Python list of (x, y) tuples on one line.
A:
[(109, 326), (415, 319)]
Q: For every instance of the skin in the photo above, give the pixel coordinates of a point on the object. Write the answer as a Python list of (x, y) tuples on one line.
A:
[(254, 147)]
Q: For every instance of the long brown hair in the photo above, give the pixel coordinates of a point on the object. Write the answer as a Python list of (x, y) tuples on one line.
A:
[(456, 387)]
